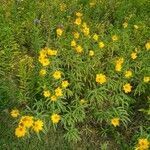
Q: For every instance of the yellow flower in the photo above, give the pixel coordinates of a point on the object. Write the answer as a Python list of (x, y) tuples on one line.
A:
[(78, 21), (53, 98), (86, 31), (65, 84), (92, 4), (136, 27), (133, 55), (78, 14), (26, 121), (146, 79), (115, 122), (82, 101), (55, 118), (41, 57), (14, 113), (42, 72), (125, 24), (76, 35), (47, 93), (58, 92), (57, 75), (147, 45), (84, 25), (95, 37), (79, 49), (118, 67), (59, 32), (101, 45), (45, 62), (63, 7), (20, 131), (100, 78), (114, 37), (128, 73), (91, 53), (136, 50), (51, 52), (119, 63), (73, 43), (143, 144), (54, 52), (38, 126), (127, 88), (43, 53)]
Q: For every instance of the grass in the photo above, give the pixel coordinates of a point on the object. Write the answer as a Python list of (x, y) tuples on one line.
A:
[(52, 140)]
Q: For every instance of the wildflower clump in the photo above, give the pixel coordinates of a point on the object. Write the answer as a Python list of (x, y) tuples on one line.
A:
[(77, 64), (43, 59), (85, 29), (78, 20), (27, 124)]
